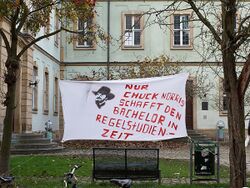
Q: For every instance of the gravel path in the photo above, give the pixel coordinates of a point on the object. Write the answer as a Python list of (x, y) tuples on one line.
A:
[(181, 152)]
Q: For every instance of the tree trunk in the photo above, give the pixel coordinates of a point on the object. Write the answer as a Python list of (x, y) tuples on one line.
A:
[(12, 65), (237, 153), (7, 131), (236, 122)]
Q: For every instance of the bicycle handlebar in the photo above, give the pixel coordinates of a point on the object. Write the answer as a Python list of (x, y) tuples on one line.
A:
[(75, 168), (78, 166), (6, 180)]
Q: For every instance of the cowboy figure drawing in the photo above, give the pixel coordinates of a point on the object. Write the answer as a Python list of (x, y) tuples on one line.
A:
[(103, 95)]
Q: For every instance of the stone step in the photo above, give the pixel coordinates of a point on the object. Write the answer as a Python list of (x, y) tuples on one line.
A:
[(201, 139), (194, 135), (33, 143), (197, 136), (30, 135), (29, 138), (37, 151), (182, 139), (37, 140)]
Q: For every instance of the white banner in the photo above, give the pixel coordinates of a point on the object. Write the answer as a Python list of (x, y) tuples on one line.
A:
[(131, 110)]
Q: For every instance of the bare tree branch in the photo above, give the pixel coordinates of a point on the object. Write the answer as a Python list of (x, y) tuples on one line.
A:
[(244, 77), (204, 20), (36, 40), (242, 22), (242, 40), (244, 33), (5, 40), (23, 18)]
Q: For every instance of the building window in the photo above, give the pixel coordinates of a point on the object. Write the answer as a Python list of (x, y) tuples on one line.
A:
[(181, 31), (236, 23), (86, 37), (132, 37), (223, 99), (224, 102), (204, 105), (55, 101), (47, 27), (56, 28), (34, 90), (46, 93)]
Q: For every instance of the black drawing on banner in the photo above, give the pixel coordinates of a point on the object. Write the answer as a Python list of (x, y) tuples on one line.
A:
[(102, 95)]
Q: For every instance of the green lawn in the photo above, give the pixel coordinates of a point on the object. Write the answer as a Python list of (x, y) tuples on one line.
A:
[(47, 171)]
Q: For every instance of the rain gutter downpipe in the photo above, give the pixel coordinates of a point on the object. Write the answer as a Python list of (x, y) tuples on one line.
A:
[(108, 40)]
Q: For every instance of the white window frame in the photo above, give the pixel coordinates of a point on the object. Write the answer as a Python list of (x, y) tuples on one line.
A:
[(35, 90), (47, 27), (223, 98), (57, 36), (182, 30), (46, 92), (56, 95), (129, 33), (85, 43)]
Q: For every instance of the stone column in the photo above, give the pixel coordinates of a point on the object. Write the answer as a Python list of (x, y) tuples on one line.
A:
[(26, 91), (61, 121)]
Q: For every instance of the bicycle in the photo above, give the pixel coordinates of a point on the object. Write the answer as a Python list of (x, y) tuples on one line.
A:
[(70, 178), (7, 181), (122, 183)]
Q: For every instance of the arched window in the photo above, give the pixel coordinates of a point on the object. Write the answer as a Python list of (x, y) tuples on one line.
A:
[(46, 92), (55, 98), (34, 89)]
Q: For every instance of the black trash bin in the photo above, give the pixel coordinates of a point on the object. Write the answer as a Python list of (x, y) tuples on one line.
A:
[(204, 159)]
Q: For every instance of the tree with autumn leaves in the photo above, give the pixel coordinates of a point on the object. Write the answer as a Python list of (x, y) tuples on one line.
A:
[(30, 16)]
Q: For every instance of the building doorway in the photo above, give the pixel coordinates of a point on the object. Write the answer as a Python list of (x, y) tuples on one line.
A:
[(189, 104)]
